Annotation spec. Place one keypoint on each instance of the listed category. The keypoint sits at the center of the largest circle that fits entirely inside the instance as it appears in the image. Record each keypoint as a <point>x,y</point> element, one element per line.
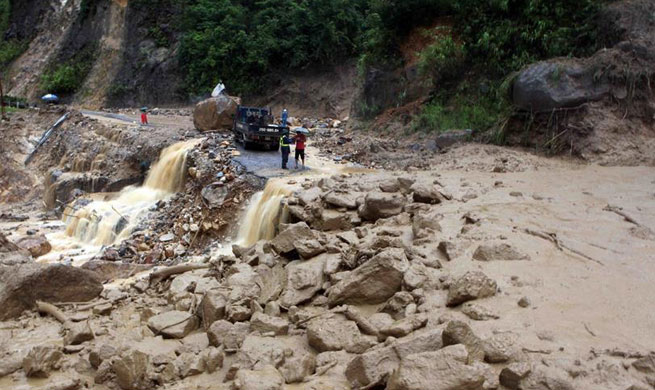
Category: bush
<point>467,108</point>
<point>10,50</point>
<point>243,43</point>
<point>68,77</point>
<point>441,60</point>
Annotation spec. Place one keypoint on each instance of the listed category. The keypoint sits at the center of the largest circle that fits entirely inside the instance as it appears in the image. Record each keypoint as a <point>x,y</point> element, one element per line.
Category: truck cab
<point>254,126</point>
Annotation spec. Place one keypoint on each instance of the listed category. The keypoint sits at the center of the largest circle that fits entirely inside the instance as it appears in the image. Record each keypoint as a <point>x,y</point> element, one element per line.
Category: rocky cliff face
<point>127,48</point>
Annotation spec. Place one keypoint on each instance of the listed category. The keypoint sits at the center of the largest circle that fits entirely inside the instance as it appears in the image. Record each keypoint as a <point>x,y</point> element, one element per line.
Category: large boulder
<point>23,284</point>
<point>215,113</point>
<point>290,355</point>
<point>445,369</point>
<point>42,359</point>
<point>373,282</point>
<point>545,86</point>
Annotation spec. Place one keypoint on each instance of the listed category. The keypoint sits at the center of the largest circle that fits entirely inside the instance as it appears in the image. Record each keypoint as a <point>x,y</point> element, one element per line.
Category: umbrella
<point>144,109</point>
<point>301,130</point>
<point>50,98</point>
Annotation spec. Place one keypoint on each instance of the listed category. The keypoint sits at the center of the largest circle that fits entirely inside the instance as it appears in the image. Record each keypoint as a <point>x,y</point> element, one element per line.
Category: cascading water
<point>104,222</point>
<point>264,213</point>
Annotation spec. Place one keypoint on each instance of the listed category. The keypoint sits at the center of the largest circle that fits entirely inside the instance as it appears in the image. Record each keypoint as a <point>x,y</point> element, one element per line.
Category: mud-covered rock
<point>375,365</point>
<point>645,364</point>
<point>215,113</point>
<point>458,332</point>
<point>304,279</point>
<point>227,334</point>
<point>425,193</point>
<point>37,245</point>
<point>336,333</point>
<point>341,199</point>
<point>499,348</point>
<point>373,282</point>
<point>264,323</point>
<point>101,353</point>
<point>174,324</point>
<point>292,356</point>
<point>512,375</point>
<point>308,248</point>
<point>472,285</point>
<point>498,251</point>
<point>22,285</point>
<point>438,370</point>
<point>405,326</point>
<point>212,308</point>
<point>289,235</point>
<point>381,205</point>
<point>41,360</point>
<point>268,378</point>
<point>78,332</point>
<point>131,370</point>
<point>478,312</point>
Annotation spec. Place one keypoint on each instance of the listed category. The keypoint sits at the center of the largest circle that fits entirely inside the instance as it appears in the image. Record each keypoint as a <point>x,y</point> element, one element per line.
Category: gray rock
<point>499,348</point>
<point>547,85</point>
<point>268,378</point>
<point>37,245</point>
<point>77,333</point>
<point>451,137</point>
<point>445,369</point>
<point>405,326</point>
<point>215,113</point>
<point>213,358</point>
<point>341,199</point>
<point>264,323</point>
<point>458,332</point>
<point>512,375</point>
<point>174,324</point>
<point>291,355</point>
<point>373,282</point>
<point>131,371</point>
<point>498,251</point>
<point>227,334</point>
<point>214,194</point>
<point>334,333</point>
<point>478,312</point>
<point>309,248</point>
<point>212,308</point>
<point>189,364</point>
<point>425,193</point>
<point>304,279</point>
<point>472,285</point>
<point>375,365</point>
<point>289,235</point>
<point>381,205</point>
<point>42,359</point>
<point>22,285</point>
<point>100,354</point>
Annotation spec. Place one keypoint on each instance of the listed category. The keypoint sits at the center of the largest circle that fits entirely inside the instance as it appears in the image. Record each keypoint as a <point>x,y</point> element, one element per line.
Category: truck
<point>253,127</point>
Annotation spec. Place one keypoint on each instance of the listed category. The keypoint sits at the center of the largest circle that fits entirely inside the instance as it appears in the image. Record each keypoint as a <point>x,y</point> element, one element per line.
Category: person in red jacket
<point>144,116</point>
<point>300,140</point>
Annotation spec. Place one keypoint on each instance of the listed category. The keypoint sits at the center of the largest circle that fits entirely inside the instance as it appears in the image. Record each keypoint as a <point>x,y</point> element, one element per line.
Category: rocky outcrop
<point>215,113</point>
<point>22,285</point>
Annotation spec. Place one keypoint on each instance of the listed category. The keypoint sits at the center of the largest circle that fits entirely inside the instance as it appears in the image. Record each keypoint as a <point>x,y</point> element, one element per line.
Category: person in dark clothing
<point>285,148</point>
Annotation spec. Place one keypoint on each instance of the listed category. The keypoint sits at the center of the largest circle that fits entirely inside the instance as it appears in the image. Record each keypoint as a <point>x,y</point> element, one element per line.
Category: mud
<point>526,261</point>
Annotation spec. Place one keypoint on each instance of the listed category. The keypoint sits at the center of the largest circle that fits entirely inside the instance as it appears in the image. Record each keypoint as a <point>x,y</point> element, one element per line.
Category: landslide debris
<point>377,305</point>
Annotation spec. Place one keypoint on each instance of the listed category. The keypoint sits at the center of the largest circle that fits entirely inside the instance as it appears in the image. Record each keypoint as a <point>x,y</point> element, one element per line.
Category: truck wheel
<point>275,146</point>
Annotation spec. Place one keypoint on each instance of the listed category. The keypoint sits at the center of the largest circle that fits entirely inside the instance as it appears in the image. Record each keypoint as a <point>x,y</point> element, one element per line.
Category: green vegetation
<point>244,43</point>
<point>442,59</point>
<point>9,49</point>
<point>67,78</point>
